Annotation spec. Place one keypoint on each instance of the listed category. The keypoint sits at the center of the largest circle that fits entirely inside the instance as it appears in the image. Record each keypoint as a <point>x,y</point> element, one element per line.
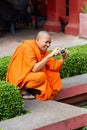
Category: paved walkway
<point>8,43</point>
<point>45,113</point>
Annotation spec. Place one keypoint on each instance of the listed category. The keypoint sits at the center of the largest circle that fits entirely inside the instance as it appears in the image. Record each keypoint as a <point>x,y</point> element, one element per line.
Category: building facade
<point>63,15</point>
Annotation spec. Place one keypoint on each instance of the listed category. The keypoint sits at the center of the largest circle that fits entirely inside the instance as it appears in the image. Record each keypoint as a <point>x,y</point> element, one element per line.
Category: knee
<point>41,77</point>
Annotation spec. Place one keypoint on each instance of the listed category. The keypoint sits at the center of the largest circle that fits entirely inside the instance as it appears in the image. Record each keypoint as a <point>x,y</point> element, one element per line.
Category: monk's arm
<point>56,65</point>
<point>39,65</point>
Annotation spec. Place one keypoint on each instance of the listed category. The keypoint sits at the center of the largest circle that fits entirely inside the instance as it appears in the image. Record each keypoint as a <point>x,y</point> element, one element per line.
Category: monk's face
<point>44,42</point>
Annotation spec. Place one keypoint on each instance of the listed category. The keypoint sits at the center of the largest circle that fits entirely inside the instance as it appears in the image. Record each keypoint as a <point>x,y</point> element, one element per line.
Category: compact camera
<point>62,51</point>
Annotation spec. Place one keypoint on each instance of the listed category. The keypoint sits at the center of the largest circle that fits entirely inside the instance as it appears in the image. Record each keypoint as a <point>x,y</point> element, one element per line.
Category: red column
<point>55,9</point>
<point>74,10</point>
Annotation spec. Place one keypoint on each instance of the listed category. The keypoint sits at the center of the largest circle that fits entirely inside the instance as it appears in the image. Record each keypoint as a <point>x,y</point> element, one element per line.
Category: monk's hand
<point>65,54</point>
<point>55,52</point>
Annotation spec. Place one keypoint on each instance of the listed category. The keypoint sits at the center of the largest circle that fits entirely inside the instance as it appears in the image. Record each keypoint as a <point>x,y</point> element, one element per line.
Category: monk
<point>33,67</point>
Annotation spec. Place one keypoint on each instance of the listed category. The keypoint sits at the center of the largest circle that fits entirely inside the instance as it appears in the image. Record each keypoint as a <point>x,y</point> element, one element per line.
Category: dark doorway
<point>39,11</point>
<point>67,7</point>
<point>64,20</point>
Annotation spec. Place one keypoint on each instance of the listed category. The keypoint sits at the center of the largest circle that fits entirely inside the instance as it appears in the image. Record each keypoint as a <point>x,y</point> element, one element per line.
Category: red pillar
<point>74,10</point>
<point>55,9</point>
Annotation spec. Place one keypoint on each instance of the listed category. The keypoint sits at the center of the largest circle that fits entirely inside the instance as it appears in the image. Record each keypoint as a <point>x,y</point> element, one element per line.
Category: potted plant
<point>83,21</point>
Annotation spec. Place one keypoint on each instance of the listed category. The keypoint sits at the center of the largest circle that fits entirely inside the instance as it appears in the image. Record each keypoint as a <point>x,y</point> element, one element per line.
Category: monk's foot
<point>27,96</point>
<point>33,91</point>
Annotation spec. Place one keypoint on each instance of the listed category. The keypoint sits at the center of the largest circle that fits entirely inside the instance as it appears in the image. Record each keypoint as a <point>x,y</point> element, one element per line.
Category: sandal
<point>33,91</point>
<point>27,96</point>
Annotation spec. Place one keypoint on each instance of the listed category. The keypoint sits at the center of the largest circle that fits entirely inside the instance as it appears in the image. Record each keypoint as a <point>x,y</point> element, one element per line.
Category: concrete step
<point>74,80</point>
<point>74,89</point>
<point>53,115</point>
<point>48,115</point>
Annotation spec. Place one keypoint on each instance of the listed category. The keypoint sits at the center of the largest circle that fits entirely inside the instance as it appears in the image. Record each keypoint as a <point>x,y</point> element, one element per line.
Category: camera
<point>62,51</point>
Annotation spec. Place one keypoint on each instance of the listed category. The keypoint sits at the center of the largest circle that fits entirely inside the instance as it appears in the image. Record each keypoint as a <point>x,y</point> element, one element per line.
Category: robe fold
<point>20,70</point>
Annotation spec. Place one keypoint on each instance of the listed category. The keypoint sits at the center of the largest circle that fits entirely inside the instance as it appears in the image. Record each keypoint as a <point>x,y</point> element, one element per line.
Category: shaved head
<point>43,40</point>
<point>42,34</point>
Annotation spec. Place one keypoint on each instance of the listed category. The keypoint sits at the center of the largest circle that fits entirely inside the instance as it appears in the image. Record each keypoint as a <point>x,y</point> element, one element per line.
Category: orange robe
<point>20,70</point>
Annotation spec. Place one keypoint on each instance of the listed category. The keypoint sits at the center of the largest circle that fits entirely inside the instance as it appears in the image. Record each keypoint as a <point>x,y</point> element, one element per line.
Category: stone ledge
<point>47,113</point>
<point>51,114</point>
<point>74,89</point>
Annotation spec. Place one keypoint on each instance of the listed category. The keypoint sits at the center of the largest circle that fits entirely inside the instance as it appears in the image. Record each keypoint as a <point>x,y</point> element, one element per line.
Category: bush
<point>11,103</point>
<point>76,63</point>
<point>4,61</point>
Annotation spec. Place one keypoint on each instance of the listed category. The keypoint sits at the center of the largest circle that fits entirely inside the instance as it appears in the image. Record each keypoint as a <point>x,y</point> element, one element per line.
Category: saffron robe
<point>20,70</point>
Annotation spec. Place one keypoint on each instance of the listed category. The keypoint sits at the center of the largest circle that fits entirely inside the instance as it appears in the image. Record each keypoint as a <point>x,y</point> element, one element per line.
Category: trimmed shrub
<point>11,103</point>
<point>76,63</point>
<point>4,61</point>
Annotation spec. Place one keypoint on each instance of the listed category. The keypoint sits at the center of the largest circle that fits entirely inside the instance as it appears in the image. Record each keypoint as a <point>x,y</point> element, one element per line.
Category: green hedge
<point>4,61</point>
<point>75,64</point>
<point>11,103</point>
